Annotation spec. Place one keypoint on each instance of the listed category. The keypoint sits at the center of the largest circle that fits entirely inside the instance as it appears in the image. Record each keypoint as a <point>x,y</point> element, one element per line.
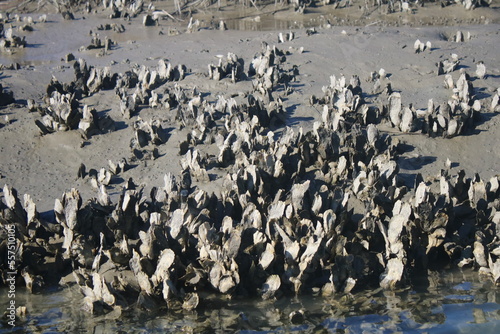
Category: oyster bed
<point>195,161</point>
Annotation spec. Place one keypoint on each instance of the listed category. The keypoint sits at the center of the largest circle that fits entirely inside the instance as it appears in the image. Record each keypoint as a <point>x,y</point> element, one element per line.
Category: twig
<point>253,3</point>
<point>193,4</point>
<point>164,12</point>
<point>15,8</point>
<point>373,23</point>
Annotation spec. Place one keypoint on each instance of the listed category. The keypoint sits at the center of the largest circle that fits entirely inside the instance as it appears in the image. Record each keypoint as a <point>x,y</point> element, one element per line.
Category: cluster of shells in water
<point>319,211</point>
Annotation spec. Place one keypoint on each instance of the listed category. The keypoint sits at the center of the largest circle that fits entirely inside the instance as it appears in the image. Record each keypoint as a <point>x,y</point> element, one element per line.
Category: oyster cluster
<point>298,211</point>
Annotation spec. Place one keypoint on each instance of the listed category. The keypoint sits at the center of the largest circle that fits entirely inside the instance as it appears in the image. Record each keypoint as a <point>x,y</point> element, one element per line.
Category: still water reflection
<point>449,302</point>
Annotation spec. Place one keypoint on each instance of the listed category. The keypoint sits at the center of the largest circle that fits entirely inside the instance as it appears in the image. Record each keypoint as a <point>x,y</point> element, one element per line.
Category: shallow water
<point>448,302</point>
